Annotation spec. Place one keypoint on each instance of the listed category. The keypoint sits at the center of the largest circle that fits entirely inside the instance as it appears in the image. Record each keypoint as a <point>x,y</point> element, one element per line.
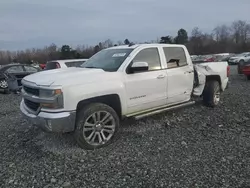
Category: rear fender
<point>204,74</point>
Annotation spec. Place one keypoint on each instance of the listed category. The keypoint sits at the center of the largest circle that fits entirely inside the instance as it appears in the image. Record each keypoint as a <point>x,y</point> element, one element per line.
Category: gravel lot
<point>192,147</point>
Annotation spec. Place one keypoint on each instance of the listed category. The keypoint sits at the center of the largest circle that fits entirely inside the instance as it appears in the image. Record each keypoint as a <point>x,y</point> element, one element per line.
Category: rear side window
<point>175,56</point>
<point>74,63</point>
<point>52,65</point>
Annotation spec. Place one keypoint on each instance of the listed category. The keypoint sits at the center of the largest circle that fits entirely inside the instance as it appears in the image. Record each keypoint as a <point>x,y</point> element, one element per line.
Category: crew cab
<point>116,83</point>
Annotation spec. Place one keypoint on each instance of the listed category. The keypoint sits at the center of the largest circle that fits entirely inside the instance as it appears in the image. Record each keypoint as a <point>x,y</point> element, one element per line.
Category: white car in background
<point>239,58</point>
<point>56,64</point>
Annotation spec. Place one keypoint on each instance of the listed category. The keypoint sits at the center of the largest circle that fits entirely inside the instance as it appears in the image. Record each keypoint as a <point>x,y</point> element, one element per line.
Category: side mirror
<point>139,67</point>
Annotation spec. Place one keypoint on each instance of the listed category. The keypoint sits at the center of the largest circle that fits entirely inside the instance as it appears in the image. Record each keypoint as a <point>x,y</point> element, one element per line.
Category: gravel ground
<point>191,147</point>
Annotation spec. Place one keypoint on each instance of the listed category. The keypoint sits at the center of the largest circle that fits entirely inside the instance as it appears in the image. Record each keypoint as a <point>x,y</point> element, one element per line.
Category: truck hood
<point>68,76</point>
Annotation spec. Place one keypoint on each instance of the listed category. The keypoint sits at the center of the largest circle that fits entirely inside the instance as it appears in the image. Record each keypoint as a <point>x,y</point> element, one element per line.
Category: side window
<point>175,56</point>
<point>151,56</point>
<point>15,69</point>
<point>30,69</point>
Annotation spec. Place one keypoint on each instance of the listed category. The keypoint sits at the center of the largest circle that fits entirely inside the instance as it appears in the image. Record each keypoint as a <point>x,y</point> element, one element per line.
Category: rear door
<point>180,75</point>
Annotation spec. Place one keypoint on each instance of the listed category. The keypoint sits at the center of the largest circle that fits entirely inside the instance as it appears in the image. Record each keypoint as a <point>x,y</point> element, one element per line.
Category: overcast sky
<point>35,23</point>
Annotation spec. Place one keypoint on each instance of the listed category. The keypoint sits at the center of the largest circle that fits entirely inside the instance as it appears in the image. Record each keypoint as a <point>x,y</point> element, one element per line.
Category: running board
<point>157,111</point>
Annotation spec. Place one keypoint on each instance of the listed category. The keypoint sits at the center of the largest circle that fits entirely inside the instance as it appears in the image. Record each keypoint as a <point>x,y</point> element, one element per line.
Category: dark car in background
<point>245,69</point>
<point>16,71</point>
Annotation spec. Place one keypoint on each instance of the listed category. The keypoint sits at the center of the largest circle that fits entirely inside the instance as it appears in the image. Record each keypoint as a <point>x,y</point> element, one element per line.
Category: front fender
<point>74,94</point>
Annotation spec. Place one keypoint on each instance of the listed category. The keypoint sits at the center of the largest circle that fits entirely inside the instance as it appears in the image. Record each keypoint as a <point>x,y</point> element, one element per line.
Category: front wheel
<point>96,126</point>
<point>211,94</point>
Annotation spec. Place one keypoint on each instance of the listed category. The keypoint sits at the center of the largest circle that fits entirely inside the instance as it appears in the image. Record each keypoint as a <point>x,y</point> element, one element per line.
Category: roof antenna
<point>131,44</point>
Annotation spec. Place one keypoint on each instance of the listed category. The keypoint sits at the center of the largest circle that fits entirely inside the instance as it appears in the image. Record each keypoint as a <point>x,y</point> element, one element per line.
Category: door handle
<point>161,76</point>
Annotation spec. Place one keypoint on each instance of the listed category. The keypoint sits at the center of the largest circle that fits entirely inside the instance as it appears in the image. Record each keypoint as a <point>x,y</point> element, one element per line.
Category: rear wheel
<point>248,77</point>
<point>96,126</point>
<point>211,94</point>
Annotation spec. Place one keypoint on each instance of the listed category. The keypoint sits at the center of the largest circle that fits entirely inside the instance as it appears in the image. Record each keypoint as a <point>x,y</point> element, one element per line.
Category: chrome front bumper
<point>51,122</point>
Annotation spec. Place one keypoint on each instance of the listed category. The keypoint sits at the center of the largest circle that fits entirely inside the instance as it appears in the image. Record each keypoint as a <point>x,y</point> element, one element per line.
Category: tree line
<point>233,38</point>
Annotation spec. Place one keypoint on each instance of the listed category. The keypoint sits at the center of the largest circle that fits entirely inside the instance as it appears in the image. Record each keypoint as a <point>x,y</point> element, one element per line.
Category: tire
<point>6,91</point>
<point>96,130</point>
<point>211,94</point>
<point>248,77</point>
<point>241,63</point>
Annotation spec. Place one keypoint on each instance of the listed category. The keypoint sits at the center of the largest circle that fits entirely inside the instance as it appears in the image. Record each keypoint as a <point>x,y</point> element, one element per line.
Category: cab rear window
<point>74,63</point>
<point>52,65</point>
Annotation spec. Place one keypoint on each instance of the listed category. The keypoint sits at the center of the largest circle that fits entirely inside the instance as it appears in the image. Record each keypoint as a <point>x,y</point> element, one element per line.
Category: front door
<point>146,90</point>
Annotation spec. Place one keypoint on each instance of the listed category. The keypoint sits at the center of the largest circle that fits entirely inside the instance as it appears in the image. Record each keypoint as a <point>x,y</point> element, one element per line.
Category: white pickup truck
<point>118,82</point>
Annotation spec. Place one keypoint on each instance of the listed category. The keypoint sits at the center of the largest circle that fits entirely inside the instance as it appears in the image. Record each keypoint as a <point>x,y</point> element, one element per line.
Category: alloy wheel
<point>99,128</point>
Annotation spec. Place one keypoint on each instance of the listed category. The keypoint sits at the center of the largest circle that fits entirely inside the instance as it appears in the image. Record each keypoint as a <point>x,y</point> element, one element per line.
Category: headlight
<point>47,93</point>
<point>55,98</point>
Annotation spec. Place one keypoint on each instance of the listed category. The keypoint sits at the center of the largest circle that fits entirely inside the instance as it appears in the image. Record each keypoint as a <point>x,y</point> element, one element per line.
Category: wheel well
<point>213,78</point>
<point>112,100</point>
<point>196,78</point>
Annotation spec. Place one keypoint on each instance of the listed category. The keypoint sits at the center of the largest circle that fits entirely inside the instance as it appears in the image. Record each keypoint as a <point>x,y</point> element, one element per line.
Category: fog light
<point>48,105</point>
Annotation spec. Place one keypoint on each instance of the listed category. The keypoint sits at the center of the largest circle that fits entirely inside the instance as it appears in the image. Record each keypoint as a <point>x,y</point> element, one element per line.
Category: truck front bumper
<point>59,122</point>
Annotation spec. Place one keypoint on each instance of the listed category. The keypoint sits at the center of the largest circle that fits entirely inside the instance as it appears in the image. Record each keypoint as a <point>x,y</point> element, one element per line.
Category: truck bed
<point>211,68</point>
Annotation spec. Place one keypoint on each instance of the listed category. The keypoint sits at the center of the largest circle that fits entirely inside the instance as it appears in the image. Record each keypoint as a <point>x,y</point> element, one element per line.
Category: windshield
<point>108,59</point>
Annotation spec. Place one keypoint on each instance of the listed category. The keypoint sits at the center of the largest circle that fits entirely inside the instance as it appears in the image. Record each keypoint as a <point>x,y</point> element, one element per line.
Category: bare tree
<point>119,42</point>
<point>240,31</point>
<point>222,33</point>
<point>107,43</point>
<point>233,38</point>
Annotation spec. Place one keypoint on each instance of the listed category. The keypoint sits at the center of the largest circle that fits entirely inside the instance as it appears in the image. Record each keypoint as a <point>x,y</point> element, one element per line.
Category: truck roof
<point>133,46</point>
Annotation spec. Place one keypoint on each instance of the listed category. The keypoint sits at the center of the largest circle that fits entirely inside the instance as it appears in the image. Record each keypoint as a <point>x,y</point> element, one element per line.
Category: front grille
<point>32,105</point>
<point>31,91</point>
